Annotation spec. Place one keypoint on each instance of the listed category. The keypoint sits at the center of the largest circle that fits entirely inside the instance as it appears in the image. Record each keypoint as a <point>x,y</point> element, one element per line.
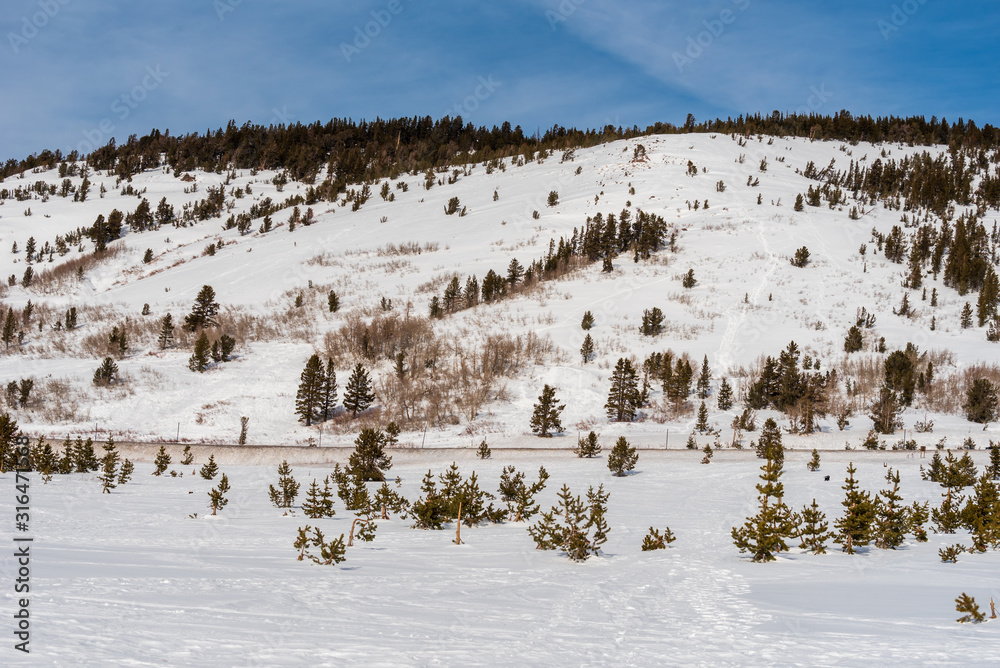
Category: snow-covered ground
<point>128,579</point>
<point>749,300</point>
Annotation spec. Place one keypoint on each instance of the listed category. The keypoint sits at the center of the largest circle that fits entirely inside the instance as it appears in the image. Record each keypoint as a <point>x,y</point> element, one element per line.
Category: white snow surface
<point>749,300</point>
<point>129,579</point>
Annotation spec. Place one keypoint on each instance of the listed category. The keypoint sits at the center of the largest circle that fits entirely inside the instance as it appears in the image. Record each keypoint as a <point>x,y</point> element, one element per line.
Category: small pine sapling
<point>332,552</point>
<point>623,457</point>
<point>692,443</point>
<point>813,532</point>
<point>949,554</point>
<point>654,540</point>
<point>210,469</point>
<point>162,461</point>
<point>588,446</point>
<point>969,609</point>
<point>813,464</point>
<point>707,450</point>
<point>217,495</point>
<point>574,527</point>
<point>588,321</point>
<point>188,458</point>
<point>519,496</point>
<point>126,472</point>
<point>109,467</point>
<point>484,452</point>
<point>284,494</point>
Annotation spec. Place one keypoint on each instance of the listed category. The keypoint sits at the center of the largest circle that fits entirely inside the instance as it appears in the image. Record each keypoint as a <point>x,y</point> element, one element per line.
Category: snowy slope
<point>749,300</point>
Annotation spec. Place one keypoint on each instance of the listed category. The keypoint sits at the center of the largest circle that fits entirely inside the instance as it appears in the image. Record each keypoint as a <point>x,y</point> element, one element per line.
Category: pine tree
<point>162,461</point>
<point>199,359</point>
<point>623,398</point>
<point>689,280</point>
<point>854,341</point>
<point>107,373</point>
<point>166,331</point>
<point>84,458</point>
<point>994,466</point>
<point>891,517</point>
<point>623,457</point>
<point>204,311</point>
<point>545,418</point>
<point>369,460</point>
<point>702,424</point>
<point>284,494</point>
<point>575,527</point>
<point>588,321</point>
<point>217,495</point>
<point>854,527</point>
<point>948,517</point>
<point>966,321</point>
<point>210,469</point>
<point>725,398</point>
<point>310,395</point>
<point>318,503</point>
<point>707,450</point>
<point>358,395</point>
<point>652,322</point>
<point>109,467</point>
<point>704,380</point>
<point>587,349</point>
<point>333,302</point>
<point>764,534</point>
<point>588,446</point>
<point>9,329</point>
<point>981,403</point>
<point>329,391</point>
<point>770,446</point>
<point>981,514</point>
<point>484,452</point>
<point>654,540</point>
<point>813,464</point>
<point>814,532</point>
<point>126,472</point>
<point>188,458</point>
<point>967,605</point>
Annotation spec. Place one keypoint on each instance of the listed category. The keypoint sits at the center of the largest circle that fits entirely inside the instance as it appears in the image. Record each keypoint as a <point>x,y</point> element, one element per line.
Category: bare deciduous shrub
<point>63,274</point>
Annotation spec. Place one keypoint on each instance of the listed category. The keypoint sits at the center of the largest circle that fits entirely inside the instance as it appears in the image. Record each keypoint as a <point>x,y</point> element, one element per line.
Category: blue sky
<point>76,72</point>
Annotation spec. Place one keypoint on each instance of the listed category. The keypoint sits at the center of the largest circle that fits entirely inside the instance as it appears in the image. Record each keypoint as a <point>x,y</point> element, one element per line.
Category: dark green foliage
<point>572,526</point>
<point>798,203</point>
<point>623,457</point>
<point>624,397</point>
<point>891,517</point>
<point>351,489</point>
<point>204,311</point>
<point>949,554</point>
<point>588,446</point>
<point>701,426</point>
<point>318,549</point>
<point>199,359</point>
<point>981,515</point>
<point>854,341</point>
<point>109,467</point>
<point>993,469</point>
<point>981,402</point>
<point>689,280</point>
<point>854,528</point>
<point>652,322</point>
<point>518,495</point>
<point>162,461</point>
<point>369,460</point>
<point>587,349</point>
<point>588,320</point>
<point>969,609</point>
<point>284,494</point>
<point>770,446</point>
<point>801,258</point>
<point>125,474</point>
<point>725,397</point>
<point>217,495</point>
<point>813,464</point>
<point>309,396</point>
<point>210,468</point>
<point>545,418</point>
<point>966,319</point>
<point>188,458</point>
<point>885,410</point>
<point>764,534</point>
<point>704,383</point>
<point>166,331</point>
<point>484,451</point>
<point>654,540</point>
<point>391,502</point>
<point>814,530</point>
<point>333,302</point>
<point>358,394</point>
<point>84,458</point>
<point>443,504</point>
<point>107,373</point>
<point>148,256</point>
<point>319,502</point>
<point>948,518</point>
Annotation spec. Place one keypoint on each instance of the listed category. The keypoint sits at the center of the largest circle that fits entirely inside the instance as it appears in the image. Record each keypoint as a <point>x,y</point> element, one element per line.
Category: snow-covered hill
<point>749,300</point>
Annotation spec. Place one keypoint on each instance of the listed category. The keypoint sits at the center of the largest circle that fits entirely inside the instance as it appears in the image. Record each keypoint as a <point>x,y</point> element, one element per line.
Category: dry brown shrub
<point>64,274</point>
